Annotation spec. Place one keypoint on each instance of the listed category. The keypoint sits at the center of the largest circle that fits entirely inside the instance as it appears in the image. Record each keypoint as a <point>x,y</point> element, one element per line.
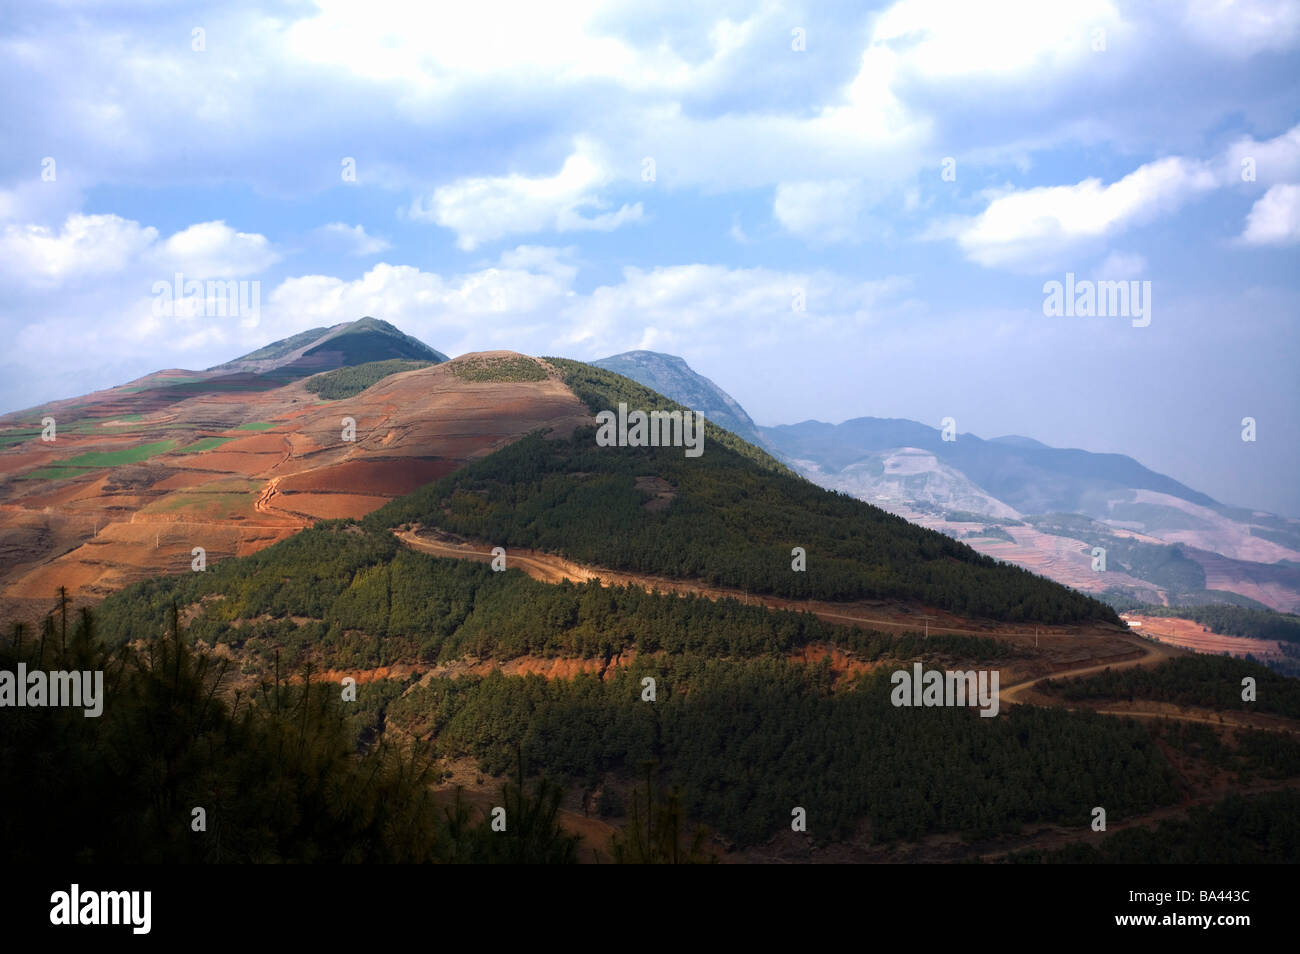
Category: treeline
<point>176,770</point>
<point>1240,830</point>
<point>730,524</point>
<point>748,741</point>
<point>1236,620</point>
<point>350,381</point>
<point>345,597</point>
<point>1129,601</point>
<point>1213,682</point>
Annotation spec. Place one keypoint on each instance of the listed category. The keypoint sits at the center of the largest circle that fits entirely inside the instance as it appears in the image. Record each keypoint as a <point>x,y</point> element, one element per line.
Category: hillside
<point>237,462</point>
<point>439,646</point>
<point>731,516</point>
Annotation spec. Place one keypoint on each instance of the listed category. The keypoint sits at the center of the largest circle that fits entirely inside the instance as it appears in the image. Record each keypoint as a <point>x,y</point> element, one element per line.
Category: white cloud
<point>482,209</point>
<point>698,309</point>
<point>35,256</point>
<point>354,239</point>
<point>527,303</point>
<point>428,51</point>
<point>406,296</point>
<point>1275,218</point>
<point>1273,160</point>
<point>87,245</point>
<point>819,211</point>
<point>955,39</point>
<point>1034,228</point>
<point>214,250</point>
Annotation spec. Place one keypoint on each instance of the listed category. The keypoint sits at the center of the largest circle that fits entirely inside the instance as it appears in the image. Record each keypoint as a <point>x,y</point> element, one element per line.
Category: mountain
<point>1165,541</point>
<point>1025,474</point>
<point>672,377</point>
<point>137,476</point>
<point>729,517</point>
<point>323,349</point>
<point>240,460</point>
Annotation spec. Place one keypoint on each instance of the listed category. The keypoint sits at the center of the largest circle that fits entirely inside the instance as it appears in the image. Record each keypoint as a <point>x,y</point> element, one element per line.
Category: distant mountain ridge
<point>672,377</point>
<point>1028,475</point>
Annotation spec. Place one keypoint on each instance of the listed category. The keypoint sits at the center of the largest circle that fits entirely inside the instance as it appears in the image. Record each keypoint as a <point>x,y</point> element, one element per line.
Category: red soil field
<point>326,506</point>
<point>252,490</point>
<point>378,477</point>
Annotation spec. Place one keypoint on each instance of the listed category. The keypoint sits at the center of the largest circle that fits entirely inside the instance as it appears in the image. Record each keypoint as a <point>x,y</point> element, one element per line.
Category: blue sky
<point>503,198</point>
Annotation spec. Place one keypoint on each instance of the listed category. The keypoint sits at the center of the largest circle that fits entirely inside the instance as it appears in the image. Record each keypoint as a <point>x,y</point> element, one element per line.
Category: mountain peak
<point>323,349</point>
<point>672,377</point>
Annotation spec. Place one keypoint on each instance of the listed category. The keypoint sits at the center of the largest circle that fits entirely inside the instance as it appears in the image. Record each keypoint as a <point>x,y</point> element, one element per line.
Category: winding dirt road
<point>549,568</point>
<point>1129,650</point>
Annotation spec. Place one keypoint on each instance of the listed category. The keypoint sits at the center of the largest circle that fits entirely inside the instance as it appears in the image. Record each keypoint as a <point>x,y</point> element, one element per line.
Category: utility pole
<point>927,624</point>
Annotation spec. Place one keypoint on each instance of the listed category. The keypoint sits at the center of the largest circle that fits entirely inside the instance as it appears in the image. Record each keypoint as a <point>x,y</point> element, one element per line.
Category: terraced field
<point>139,475</point>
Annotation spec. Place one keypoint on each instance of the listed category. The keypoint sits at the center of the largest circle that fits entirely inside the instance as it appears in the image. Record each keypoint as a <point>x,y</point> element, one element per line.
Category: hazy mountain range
<point>1016,498</point>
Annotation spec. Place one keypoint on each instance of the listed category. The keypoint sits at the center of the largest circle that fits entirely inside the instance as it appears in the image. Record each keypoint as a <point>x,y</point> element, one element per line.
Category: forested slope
<point>732,517</point>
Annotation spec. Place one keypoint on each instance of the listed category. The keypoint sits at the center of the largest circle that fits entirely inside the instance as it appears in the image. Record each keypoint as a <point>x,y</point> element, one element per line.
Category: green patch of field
<point>93,460</point>
<point>203,444</point>
<point>256,426</point>
<point>17,437</point>
<point>128,455</point>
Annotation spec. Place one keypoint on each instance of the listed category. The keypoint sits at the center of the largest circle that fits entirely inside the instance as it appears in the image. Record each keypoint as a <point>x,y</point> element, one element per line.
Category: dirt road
<point>1126,650</point>
<point>549,568</point>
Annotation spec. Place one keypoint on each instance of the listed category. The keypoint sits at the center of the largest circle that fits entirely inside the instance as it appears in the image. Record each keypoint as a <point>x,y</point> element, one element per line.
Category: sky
<point>833,210</point>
